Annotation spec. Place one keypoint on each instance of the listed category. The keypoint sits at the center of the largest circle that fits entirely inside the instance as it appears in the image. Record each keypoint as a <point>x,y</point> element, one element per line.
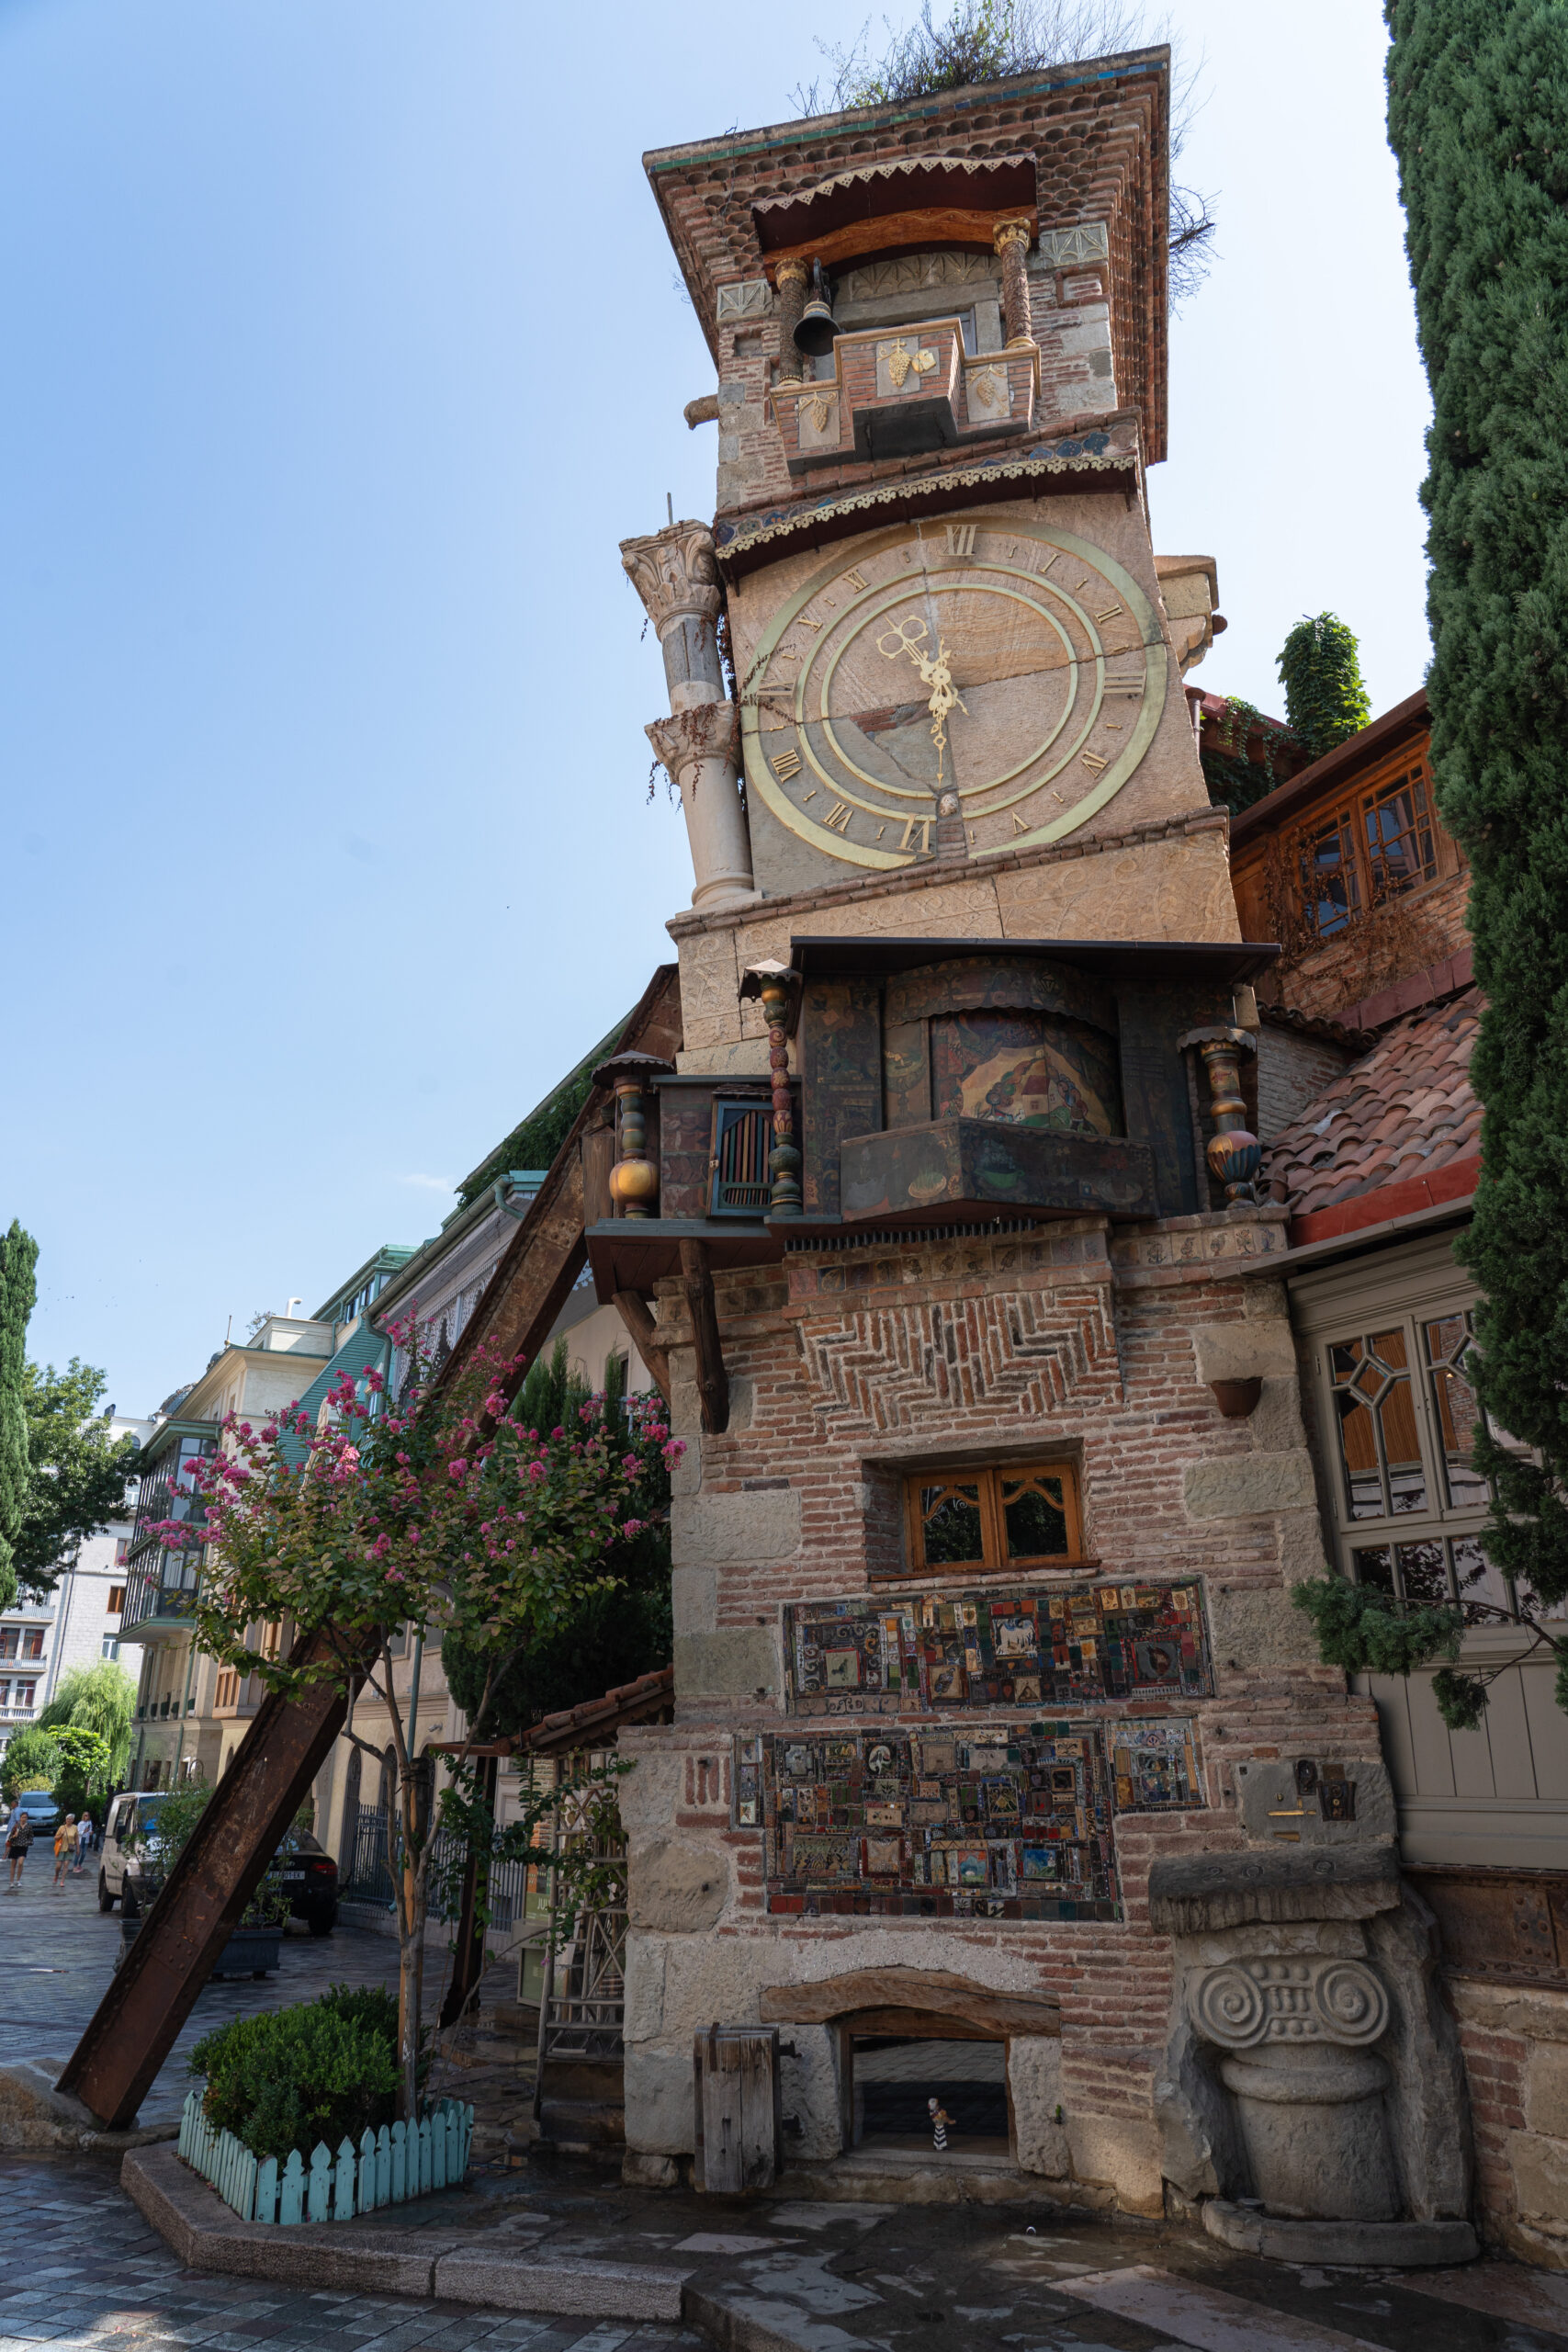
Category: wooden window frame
<point>989,1477</point>
<point>1349,811</point>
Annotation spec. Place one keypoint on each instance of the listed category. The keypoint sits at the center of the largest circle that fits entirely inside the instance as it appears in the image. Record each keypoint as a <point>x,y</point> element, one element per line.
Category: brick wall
<point>1293,1071</point>
<point>847,1367</point>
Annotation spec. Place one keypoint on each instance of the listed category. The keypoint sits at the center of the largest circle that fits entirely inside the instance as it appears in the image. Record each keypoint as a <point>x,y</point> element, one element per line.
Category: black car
<point>309,1875</point>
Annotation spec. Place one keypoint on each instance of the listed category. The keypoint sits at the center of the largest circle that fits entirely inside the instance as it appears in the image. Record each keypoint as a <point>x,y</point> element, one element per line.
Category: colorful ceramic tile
<point>920,1653</point>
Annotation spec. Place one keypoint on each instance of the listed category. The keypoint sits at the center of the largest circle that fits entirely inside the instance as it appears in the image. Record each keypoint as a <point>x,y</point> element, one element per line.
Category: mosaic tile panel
<point>994,1821</point>
<point>1070,1646</point>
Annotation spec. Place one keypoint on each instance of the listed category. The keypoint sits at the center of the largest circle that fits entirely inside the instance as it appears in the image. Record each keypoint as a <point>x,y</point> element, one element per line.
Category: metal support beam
<point>136,2022</point>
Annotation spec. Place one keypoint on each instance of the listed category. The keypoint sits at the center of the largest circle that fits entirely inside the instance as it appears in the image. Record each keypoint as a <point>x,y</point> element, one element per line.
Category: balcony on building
<point>940,1083</point>
<point>162,1579</point>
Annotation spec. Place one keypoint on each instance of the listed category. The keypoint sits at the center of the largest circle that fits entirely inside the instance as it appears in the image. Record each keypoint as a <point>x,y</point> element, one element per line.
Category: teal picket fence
<point>387,2169</point>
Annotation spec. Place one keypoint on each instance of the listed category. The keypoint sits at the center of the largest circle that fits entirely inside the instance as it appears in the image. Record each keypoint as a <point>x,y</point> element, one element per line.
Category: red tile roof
<point>1402,1111</point>
<point>596,1720</point>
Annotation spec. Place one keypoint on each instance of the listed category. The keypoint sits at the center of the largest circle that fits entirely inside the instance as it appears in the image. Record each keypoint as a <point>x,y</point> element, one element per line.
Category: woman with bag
<point>64,1849</point>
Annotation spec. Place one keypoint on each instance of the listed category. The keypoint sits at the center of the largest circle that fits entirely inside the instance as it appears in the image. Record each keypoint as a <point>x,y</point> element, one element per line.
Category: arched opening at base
<point>893,2079</point>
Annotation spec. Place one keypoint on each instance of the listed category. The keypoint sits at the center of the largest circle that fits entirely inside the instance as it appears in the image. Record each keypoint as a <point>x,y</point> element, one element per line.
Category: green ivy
<point>1320,669</point>
<point>1234,782</point>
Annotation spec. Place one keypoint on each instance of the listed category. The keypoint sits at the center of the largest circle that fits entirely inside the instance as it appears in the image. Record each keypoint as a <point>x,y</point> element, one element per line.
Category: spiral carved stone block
<point>1228,2006</point>
<point>1245,2002</point>
<point>1351,2002</point>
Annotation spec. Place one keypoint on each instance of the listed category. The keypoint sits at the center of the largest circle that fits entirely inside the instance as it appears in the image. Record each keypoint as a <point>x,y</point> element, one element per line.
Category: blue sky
<point>342,350</point>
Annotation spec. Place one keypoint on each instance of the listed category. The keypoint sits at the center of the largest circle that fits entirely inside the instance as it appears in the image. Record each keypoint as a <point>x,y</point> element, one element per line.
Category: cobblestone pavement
<point>57,1954</point>
<point>82,2268</point>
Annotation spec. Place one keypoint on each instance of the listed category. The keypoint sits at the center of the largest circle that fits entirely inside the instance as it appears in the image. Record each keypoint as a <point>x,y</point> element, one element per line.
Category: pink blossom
<point>458,1469</point>
<point>269,1435</point>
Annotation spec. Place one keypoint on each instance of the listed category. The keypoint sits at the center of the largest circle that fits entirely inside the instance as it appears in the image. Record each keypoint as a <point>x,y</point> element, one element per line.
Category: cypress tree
<point>1478,120</point>
<point>18,1290</point>
<point>1320,669</point>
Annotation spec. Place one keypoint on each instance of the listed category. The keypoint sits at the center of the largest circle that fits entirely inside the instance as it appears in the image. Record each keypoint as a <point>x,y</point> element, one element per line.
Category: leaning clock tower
<point>934,1207</point>
<point>940,352</point>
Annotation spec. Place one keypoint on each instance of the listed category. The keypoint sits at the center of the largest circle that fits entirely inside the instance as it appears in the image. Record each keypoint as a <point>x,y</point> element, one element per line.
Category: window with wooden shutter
<point>742,1138</point>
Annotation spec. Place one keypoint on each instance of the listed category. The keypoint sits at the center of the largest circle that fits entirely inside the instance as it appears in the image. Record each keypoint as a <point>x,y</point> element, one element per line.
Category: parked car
<point>307,1873</point>
<point>41,1811</point>
<point>310,1875</point>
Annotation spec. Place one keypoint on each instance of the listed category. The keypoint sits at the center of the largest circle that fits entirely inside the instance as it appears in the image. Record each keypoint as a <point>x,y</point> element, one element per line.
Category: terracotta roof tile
<point>1404,1109</point>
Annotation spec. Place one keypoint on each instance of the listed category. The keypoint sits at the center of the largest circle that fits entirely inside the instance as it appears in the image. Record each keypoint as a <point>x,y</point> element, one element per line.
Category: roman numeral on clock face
<point>1109,613</point>
<point>854,580</point>
<point>838,816</point>
<point>785,765</point>
<point>960,539</point>
<point>1094,763</point>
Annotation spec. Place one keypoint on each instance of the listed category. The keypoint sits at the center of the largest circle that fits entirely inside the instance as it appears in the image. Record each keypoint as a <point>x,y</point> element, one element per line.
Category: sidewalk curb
<point>193,2220</point>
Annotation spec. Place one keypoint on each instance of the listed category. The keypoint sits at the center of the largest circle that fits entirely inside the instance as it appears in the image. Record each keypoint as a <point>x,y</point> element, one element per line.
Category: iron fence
<point>369,1879</point>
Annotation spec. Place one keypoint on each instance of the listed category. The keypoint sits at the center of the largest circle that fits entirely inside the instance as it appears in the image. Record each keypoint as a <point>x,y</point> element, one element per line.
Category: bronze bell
<point>817,333</point>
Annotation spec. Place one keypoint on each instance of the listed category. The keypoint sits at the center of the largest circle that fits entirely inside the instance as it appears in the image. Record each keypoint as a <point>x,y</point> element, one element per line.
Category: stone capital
<point>1295,1999</point>
<point>1011,232</point>
<point>674,574</point>
<point>709,732</point>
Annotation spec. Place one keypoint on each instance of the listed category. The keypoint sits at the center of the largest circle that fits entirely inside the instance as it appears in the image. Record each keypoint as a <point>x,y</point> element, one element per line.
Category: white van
<point>129,1815</point>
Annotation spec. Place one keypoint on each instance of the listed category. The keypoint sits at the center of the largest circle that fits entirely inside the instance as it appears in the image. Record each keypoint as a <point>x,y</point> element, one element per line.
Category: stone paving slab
<point>797,2273</point>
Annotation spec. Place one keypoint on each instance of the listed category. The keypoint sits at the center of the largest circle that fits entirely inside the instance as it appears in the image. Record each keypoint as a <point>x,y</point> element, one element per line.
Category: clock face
<point>1010,664</point>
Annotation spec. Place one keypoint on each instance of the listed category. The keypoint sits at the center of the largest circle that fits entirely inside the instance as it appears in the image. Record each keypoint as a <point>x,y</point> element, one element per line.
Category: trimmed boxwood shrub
<point>318,2071</point>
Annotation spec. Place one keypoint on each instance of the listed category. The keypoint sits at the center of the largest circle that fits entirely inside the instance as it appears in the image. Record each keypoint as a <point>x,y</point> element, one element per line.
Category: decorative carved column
<point>793,277</point>
<point>701,751</point>
<point>1311,2092</point>
<point>634,1179</point>
<point>1296,2034</point>
<point>778,986</point>
<point>1235,1154</point>
<point>674,573</point>
<point>1012,240</point>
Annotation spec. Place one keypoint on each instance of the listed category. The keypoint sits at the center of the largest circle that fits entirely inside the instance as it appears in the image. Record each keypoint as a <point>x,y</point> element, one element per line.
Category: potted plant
<point>255,1943</point>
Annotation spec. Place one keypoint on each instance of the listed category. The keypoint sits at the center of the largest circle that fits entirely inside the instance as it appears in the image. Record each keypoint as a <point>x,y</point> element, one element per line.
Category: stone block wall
<point>1516,2054</point>
<point>848,1367</point>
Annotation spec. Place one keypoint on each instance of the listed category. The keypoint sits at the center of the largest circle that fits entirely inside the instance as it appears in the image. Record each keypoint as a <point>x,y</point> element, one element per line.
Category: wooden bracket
<point>643,1332</point>
<point>713,1381</point>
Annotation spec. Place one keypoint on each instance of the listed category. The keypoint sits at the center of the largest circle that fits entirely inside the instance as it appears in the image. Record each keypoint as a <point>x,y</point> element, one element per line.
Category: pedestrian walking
<point>65,1850</point>
<point>19,1838</point>
<point>84,1845</point>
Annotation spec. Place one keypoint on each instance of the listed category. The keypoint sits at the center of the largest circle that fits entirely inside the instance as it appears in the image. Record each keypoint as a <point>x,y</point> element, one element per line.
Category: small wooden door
<point>737,2118</point>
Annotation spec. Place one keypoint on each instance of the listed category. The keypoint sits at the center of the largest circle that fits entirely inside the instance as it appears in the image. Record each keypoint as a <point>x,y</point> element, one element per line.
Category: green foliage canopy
<point>19,1292</point>
<point>1320,668</point>
<point>78,1474</point>
<point>612,1635</point>
<point>99,1697</point>
<point>31,1761</point>
<point>1478,98</point>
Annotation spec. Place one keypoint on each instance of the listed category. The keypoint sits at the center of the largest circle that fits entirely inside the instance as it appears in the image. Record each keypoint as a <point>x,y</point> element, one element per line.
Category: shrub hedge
<point>318,2071</point>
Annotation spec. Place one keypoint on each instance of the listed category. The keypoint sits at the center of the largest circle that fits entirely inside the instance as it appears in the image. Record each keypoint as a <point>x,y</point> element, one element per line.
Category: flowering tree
<point>437,1512</point>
